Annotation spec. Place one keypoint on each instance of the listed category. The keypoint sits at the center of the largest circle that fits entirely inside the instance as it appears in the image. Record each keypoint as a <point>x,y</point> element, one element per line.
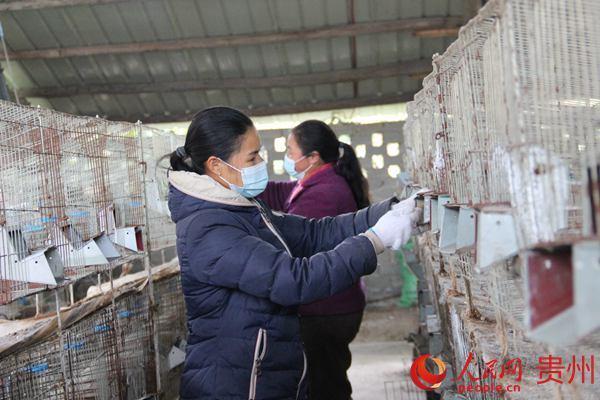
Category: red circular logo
<point>425,379</point>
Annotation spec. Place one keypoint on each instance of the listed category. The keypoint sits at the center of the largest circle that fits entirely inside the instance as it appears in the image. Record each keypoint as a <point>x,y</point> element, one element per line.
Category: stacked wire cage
<point>30,207</point>
<point>156,144</point>
<point>172,331</point>
<point>60,176</point>
<point>510,117</point>
<point>513,103</point>
<point>105,355</point>
<point>67,184</point>
<point>91,357</point>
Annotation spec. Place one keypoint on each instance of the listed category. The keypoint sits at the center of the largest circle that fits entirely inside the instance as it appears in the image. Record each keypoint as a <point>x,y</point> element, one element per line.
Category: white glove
<point>409,206</point>
<point>415,215</point>
<point>394,229</point>
<point>406,206</point>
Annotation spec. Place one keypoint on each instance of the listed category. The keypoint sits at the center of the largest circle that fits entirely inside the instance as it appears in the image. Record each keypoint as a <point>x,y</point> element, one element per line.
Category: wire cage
<point>517,99</point>
<point>135,345</point>
<point>478,358</point>
<point>554,104</point>
<point>72,196</point>
<point>91,357</point>
<point>105,355</point>
<point>461,95</point>
<point>403,389</point>
<point>172,331</point>
<point>122,153</point>
<point>508,297</point>
<point>79,188</point>
<point>34,373</point>
<point>422,143</point>
<point>477,288</point>
<point>510,116</point>
<point>156,145</point>
<point>33,207</point>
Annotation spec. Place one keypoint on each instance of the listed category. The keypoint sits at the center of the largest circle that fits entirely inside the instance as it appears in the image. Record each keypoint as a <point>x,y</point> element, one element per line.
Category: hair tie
<point>181,152</point>
<point>341,151</point>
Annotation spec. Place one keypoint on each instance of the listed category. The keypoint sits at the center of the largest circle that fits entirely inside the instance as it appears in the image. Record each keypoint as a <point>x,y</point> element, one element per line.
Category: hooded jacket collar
<point>206,188</point>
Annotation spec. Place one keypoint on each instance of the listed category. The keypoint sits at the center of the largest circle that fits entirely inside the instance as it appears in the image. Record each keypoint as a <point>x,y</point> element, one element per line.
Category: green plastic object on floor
<point>408,298</point>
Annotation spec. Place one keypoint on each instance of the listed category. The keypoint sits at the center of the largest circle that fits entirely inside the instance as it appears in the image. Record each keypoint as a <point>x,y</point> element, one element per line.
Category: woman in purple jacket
<point>330,182</point>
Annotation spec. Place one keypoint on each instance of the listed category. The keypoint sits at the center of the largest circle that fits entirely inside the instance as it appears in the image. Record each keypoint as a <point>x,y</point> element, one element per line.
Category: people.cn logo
<point>425,379</point>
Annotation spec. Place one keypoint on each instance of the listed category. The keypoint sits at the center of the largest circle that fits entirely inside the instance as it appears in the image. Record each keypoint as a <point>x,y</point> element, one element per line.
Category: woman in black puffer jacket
<point>246,269</point>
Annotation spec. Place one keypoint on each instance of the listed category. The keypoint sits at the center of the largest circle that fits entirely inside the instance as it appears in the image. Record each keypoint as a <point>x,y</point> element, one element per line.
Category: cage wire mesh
<point>26,217</point>
<point>35,373</point>
<point>428,159</point>
<point>403,389</point>
<point>511,115</point>
<point>156,145</point>
<point>122,153</point>
<point>106,355</point>
<point>518,96</point>
<point>556,66</point>
<point>134,344</point>
<point>92,357</point>
<point>172,330</point>
<point>65,182</point>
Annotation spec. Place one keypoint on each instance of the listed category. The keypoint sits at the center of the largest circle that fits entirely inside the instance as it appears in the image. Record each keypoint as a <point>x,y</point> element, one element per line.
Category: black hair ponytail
<point>349,167</point>
<point>314,135</point>
<point>214,131</point>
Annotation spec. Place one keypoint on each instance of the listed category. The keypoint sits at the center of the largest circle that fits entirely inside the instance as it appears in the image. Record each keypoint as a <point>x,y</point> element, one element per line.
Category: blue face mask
<point>254,179</point>
<point>290,167</point>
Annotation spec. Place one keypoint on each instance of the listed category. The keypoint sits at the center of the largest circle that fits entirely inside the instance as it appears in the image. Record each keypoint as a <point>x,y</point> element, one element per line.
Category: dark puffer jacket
<point>244,271</point>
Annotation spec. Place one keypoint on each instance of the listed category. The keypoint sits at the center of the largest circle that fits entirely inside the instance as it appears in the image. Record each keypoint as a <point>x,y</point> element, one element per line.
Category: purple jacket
<point>323,194</point>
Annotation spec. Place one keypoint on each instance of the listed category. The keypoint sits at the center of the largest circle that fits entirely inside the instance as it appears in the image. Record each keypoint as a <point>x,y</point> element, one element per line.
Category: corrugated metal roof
<point>155,20</point>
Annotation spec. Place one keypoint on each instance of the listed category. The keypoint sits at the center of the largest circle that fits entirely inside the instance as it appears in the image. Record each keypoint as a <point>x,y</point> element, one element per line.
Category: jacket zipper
<point>302,377</point>
<point>272,228</point>
<point>259,354</point>
<point>275,232</point>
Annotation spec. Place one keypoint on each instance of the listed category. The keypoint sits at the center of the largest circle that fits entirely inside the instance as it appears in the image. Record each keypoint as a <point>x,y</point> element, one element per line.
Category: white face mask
<point>254,179</point>
<point>290,167</point>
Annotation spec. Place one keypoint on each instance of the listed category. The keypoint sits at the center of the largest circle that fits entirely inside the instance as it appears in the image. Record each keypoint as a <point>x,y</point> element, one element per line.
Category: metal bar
<point>347,75</point>
<point>146,234</point>
<point>287,109</point>
<point>364,28</point>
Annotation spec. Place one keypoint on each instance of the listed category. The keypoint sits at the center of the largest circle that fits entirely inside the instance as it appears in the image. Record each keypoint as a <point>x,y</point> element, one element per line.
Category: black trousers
<point>326,340</point>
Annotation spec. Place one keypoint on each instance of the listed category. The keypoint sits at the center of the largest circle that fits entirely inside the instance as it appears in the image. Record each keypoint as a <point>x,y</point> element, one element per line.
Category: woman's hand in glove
<point>394,228</point>
<point>406,206</point>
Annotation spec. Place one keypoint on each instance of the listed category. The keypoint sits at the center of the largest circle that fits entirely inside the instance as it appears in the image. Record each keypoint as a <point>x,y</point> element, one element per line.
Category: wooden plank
<point>278,110</point>
<point>418,67</point>
<point>409,24</point>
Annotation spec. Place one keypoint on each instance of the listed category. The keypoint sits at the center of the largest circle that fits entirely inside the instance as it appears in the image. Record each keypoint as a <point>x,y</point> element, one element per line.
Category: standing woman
<point>330,182</point>
<point>245,269</point>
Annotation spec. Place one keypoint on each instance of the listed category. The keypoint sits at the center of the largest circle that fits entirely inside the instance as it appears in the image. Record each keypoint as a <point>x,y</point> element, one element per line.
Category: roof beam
<point>437,33</point>
<point>18,5</point>
<point>417,67</point>
<point>286,109</point>
<point>353,56</point>
<point>414,25</point>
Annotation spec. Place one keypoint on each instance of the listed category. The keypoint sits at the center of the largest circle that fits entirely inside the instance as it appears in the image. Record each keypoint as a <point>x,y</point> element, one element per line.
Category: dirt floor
<point>380,371</point>
<point>381,356</point>
<point>385,321</point>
